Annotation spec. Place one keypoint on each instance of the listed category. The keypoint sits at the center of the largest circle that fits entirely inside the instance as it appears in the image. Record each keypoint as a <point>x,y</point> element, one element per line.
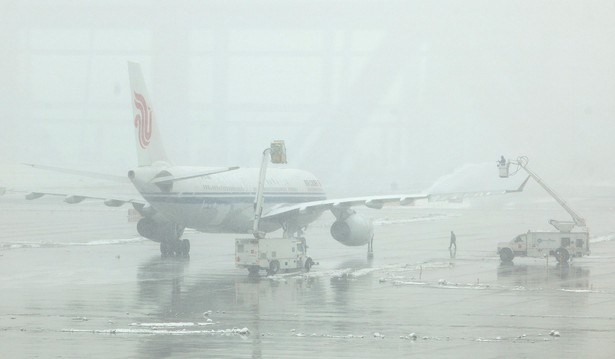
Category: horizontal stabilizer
<point>158,180</point>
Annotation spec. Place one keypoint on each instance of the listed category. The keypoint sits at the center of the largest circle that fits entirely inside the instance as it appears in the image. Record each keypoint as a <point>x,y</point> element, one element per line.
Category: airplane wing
<point>120,179</point>
<point>111,201</point>
<point>170,179</point>
<point>377,202</point>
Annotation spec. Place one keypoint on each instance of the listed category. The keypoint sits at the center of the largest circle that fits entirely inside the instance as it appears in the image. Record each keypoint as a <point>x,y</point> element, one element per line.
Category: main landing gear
<point>175,248</point>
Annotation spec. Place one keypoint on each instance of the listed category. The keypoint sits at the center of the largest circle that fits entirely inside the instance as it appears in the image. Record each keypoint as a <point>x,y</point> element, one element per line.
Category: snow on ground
<point>605,238</point>
<point>159,331</point>
<point>43,244</point>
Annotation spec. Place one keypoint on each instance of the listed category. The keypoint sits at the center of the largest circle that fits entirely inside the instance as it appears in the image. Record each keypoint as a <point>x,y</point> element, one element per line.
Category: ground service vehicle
<point>272,255</point>
<point>563,244</point>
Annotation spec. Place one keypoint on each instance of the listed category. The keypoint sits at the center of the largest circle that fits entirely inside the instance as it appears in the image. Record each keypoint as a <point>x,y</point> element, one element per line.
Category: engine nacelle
<point>158,229</point>
<point>353,231</point>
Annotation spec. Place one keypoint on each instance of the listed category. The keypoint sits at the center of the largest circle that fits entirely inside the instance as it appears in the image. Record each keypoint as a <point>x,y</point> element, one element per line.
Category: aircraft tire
<point>308,264</point>
<point>562,255</point>
<point>253,270</point>
<point>165,249</point>
<point>506,255</point>
<point>274,267</point>
<point>185,248</point>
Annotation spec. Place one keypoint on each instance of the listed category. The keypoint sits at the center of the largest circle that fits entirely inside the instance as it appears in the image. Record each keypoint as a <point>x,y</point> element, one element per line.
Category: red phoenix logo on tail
<point>143,120</point>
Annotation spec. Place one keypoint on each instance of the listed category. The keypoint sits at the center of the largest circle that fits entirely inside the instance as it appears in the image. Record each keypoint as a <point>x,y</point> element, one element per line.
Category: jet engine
<point>354,230</point>
<point>157,228</point>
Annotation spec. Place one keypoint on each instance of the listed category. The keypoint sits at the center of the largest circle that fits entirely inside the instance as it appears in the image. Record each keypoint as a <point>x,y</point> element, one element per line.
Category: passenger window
<point>273,255</point>
<point>240,248</point>
<point>565,242</point>
<point>579,243</point>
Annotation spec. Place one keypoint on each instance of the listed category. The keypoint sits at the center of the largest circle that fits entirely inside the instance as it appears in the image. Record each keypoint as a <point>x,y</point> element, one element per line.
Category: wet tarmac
<point>78,282</point>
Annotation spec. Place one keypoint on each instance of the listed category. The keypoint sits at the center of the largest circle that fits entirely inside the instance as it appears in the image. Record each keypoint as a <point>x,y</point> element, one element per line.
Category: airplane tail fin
<point>149,144</point>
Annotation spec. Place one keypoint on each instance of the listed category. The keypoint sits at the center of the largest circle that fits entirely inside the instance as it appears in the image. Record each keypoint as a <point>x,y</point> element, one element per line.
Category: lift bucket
<point>503,168</point>
<point>278,152</point>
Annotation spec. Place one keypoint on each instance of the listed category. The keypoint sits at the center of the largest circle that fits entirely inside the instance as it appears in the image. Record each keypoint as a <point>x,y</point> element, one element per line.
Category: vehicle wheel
<point>562,255</point>
<point>185,248</point>
<point>506,255</point>
<point>274,267</point>
<point>308,264</point>
<point>253,270</point>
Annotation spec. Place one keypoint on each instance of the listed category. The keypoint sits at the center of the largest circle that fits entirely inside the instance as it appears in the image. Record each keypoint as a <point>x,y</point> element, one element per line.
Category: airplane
<point>222,200</point>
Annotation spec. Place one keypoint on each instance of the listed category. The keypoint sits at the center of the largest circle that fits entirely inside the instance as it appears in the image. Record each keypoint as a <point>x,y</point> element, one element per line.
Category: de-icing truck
<point>563,244</point>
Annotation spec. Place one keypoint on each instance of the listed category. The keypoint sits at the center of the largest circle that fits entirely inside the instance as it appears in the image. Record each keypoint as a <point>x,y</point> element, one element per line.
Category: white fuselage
<point>224,202</point>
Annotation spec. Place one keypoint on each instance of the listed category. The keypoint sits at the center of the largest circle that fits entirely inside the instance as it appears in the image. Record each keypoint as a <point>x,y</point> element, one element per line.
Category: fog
<point>370,96</point>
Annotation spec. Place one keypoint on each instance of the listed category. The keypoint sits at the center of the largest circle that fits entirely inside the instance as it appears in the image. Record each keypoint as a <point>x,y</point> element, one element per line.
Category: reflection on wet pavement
<point>104,297</point>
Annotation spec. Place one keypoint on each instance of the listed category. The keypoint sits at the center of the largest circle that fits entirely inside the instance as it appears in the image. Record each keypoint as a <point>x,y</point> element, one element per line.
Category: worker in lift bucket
<point>502,161</point>
<point>453,241</point>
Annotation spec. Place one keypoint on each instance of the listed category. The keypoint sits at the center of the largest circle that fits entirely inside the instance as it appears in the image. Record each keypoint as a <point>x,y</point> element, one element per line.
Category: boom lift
<point>563,244</point>
<point>270,254</point>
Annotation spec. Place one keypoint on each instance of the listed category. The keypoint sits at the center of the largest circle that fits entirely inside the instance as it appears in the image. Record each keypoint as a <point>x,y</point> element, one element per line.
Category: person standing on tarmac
<point>453,241</point>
